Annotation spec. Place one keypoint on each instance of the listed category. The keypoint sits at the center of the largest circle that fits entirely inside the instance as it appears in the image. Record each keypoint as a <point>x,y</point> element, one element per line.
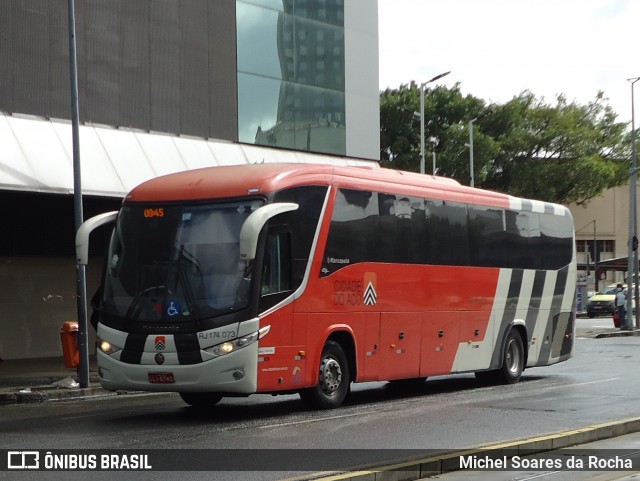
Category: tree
<point>445,111</point>
<point>398,130</point>
<point>559,153</point>
<point>562,153</point>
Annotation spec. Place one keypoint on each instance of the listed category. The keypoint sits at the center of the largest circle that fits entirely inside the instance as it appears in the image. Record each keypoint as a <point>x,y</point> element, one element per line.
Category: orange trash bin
<point>68,336</point>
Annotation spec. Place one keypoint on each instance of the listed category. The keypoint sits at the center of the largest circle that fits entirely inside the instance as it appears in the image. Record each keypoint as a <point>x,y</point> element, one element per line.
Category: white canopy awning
<point>36,156</point>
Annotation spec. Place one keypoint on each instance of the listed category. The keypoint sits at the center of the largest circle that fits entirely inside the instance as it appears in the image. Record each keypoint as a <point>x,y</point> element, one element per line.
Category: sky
<point>496,49</point>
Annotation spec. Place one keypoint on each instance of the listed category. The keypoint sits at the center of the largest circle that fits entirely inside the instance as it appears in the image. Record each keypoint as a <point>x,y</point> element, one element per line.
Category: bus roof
<point>242,180</point>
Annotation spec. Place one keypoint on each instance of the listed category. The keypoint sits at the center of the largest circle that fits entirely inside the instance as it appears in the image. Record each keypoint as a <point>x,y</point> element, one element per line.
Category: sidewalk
<point>46,379</point>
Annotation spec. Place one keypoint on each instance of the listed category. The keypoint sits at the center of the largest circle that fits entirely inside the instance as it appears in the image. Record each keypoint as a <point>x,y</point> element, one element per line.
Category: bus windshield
<point>172,263</point>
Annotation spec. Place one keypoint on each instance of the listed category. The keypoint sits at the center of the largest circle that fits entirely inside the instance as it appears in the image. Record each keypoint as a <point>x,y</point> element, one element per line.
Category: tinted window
<point>302,223</point>
<point>276,268</point>
<point>447,231</point>
<point>381,227</point>
<point>354,230</point>
<point>556,234</point>
<point>403,230</point>
<point>486,236</point>
<point>517,252</point>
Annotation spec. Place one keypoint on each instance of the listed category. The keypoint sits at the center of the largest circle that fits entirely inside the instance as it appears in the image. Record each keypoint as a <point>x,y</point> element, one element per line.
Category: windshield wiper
<point>184,279</point>
<point>136,305</point>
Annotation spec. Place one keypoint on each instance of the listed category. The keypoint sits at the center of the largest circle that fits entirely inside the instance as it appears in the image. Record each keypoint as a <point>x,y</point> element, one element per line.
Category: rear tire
<point>201,400</point>
<point>334,379</point>
<point>512,362</point>
<point>513,358</point>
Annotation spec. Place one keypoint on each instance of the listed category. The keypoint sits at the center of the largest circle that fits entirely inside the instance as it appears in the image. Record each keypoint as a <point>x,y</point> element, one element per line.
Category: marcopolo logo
<point>23,460</point>
<point>161,343</point>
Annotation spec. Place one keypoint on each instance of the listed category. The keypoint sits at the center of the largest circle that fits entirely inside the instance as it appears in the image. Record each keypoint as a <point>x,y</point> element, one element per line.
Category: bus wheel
<point>512,363</point>
<point>513,360</point>
<point>333,379</point>
<point>201,399</point>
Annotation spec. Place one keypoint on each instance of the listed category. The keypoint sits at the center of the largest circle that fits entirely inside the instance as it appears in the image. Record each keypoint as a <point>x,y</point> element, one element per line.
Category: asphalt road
<point>599,384</point>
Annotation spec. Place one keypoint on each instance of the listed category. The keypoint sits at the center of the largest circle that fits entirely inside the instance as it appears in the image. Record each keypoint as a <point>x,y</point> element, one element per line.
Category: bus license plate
<point>161,378</point>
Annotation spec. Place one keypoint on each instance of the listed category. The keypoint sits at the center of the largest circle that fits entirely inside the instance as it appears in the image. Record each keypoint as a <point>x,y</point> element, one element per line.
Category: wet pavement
<point>46,379</point>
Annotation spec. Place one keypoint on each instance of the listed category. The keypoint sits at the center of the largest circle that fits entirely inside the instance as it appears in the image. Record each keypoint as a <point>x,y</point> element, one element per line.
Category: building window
<point>604,247</point>
<point>291,52</point>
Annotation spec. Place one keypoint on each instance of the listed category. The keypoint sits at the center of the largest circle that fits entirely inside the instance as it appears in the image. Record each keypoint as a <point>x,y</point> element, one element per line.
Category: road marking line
<point>595,382</point>
<point>550,388</point>
<point>306,421</point>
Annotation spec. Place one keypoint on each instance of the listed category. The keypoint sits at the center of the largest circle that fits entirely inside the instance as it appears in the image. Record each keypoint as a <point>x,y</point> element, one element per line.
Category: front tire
<point>334,378</point>
<point>201,400</point>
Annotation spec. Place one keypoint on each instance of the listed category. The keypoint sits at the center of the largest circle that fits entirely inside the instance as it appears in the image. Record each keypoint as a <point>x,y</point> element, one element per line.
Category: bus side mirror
<point>254,224</point>
<point>87,227</point>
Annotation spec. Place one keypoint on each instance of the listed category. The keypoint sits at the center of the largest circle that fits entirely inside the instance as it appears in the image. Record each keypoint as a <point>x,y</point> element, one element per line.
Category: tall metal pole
<point>422,85</point>
<point>81,279</point>
<point>632,214</point>
<point>595,257</point>
<point>434,158</point>
<point>631,268</point>
<point>434,144</point>
<point>470,145</point>
<point>589,253</point>
<point>422,127</point>
<point>633,218</point>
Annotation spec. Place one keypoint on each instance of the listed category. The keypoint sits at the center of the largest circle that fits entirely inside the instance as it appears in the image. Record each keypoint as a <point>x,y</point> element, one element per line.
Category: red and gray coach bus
<point>280,278</point>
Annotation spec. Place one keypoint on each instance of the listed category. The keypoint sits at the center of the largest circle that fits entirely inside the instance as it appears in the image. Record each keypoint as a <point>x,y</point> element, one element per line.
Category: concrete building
<point>604,223</point>
<point>164,85</point>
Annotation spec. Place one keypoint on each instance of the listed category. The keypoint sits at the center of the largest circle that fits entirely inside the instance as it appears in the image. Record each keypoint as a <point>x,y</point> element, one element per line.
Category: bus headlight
<point>231,346</point>
<point>107,347</point>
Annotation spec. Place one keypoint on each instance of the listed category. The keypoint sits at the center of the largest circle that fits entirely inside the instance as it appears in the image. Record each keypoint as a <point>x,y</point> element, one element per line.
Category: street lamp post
<point>470,145</point>
<point>422,85</point>
<point>434,143</point>
<point>632,262</point>
<point>82,336</point>
<point>595,254</point>
<point>595,258</point>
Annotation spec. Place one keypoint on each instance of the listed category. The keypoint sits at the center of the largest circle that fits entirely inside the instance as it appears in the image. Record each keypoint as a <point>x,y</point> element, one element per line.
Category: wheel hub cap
<point>513,361</point>
<point>330,375</point>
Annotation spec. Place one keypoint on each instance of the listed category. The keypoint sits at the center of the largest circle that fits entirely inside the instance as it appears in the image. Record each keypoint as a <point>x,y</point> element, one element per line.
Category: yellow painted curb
<point>447,462</point>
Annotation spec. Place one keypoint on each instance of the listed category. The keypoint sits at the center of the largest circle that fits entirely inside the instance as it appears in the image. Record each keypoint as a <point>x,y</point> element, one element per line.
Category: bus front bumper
<point>234,373</point>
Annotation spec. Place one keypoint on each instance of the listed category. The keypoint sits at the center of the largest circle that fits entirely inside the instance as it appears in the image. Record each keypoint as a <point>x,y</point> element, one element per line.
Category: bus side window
<point>276,269</point>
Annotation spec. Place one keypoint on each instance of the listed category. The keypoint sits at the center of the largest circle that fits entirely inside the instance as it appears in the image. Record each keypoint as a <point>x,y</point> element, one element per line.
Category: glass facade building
<point>164,85</point>
<point>291,74</point>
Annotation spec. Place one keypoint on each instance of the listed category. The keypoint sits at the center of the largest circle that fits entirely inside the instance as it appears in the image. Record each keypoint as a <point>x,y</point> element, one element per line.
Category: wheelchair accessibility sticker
<point>174,308</point>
